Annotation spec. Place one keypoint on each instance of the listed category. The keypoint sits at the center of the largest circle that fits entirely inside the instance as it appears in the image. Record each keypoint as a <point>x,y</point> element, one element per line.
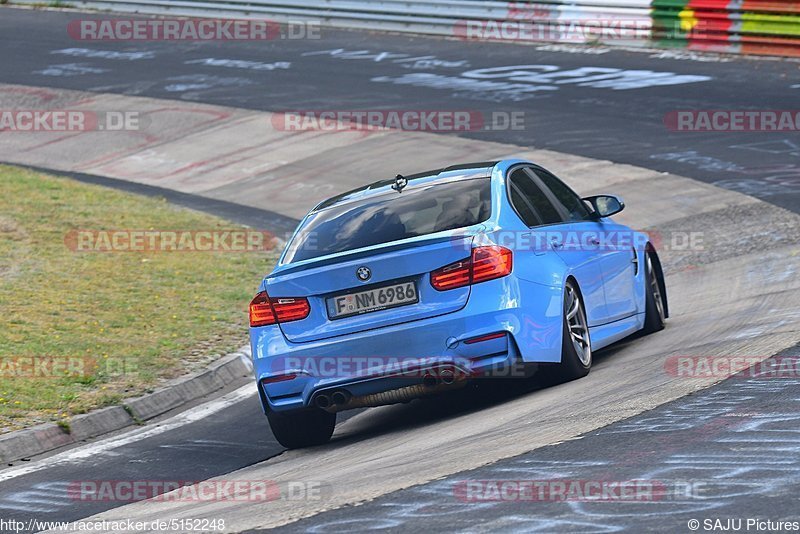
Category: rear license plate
<point>379,298</point>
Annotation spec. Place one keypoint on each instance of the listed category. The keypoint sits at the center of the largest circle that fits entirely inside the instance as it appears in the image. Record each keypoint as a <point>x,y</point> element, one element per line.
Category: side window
<point>518,200</point>
<point>530,202</point>
<point>566,197</point>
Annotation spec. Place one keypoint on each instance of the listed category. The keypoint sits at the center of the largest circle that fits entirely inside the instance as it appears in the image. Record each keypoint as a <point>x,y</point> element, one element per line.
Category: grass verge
<point>82,330</point>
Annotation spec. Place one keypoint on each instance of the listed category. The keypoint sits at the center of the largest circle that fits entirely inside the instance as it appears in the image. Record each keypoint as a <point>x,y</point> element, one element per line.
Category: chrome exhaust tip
<point>323,401</point>
<point>340,397</point>
<point>429,380</point>
<point>447,376</point>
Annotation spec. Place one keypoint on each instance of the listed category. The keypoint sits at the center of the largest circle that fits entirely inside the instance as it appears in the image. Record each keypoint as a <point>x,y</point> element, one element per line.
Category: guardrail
<point>735,26</point>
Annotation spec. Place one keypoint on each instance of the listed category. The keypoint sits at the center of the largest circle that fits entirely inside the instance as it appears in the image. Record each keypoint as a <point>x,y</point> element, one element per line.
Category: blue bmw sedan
<point>413,286</point>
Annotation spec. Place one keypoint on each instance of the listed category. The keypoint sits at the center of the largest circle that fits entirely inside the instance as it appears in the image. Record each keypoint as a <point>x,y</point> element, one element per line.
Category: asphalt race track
<point>731,447</point>
<point>198,450</point>
<point>703,441</point>
<point>359,70</point>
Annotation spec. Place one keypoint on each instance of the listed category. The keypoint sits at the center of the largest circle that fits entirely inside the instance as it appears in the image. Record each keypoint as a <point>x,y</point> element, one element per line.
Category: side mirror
<point>606,205</point>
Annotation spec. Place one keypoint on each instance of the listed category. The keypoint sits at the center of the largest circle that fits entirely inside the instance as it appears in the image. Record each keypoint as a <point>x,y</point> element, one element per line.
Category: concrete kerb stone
<point>49,436</point>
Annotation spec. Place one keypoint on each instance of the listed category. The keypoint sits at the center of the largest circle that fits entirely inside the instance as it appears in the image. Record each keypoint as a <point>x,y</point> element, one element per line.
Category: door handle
<point>556,244</point>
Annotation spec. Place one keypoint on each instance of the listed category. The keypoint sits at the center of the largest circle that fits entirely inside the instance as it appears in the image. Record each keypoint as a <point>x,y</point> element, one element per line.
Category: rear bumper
<point>398,356</point>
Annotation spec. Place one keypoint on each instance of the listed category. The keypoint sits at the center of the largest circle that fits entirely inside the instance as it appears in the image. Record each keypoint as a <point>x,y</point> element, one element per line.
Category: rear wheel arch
<point>659,271</point>
<point>570,367</point>
<point>574,281</point>
<point>571,279</point>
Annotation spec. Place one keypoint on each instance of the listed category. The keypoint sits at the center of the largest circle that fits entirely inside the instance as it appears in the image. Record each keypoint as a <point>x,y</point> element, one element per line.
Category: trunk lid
<point>409,260</point>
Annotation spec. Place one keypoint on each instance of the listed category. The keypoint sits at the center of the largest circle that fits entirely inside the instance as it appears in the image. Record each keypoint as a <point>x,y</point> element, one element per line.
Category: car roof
<point>463,171</point>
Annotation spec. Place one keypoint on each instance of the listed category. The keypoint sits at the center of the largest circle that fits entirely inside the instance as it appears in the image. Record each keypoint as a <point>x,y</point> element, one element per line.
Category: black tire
<point>295,430</point>
<point>655,310</point>
<point>574,363</point>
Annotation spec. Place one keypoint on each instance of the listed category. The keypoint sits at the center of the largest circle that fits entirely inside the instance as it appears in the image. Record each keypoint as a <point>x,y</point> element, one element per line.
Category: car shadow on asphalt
<point>478,395</point>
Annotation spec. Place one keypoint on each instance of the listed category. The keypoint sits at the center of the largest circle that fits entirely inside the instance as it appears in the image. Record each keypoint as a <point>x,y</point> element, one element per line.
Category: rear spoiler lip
<point>290,268</point>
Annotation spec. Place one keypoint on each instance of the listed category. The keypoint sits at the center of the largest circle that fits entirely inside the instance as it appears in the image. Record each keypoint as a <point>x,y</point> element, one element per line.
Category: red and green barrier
<point>740,26</point>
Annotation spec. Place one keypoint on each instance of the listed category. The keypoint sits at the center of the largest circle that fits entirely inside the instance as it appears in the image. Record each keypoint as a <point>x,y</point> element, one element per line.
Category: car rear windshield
<point>392,216</point>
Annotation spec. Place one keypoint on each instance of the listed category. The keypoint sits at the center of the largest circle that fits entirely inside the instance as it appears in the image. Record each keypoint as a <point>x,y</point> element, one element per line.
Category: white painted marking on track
<point>105,54</point>
<point>69,69</point>
<point>42,497</point>
<point>92,450</point>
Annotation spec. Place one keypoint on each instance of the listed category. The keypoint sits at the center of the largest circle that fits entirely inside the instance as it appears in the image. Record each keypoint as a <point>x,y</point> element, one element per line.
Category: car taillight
<point>261,312</point>
<point>485,263</point>
<point>290,309</point>
<point>265,310</point>
<point>489,263</point>
<point>452,276</point>
<point>278,378</point>
<point>487,337</point>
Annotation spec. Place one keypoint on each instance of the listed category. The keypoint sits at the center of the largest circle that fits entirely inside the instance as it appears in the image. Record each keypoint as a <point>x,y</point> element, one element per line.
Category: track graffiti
<point>746,452</point>
<point>523,82</point>
<point>758,181</point>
